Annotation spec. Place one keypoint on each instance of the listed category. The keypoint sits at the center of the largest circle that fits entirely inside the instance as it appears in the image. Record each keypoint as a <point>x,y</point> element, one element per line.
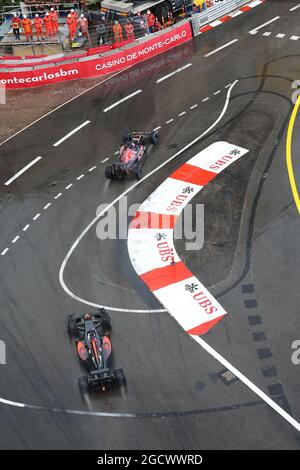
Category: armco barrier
<point>27,77</point>
<point>219,10</point>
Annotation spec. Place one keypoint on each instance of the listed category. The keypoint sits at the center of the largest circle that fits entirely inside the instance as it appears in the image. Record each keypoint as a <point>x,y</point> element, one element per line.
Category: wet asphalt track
<point>174,396</point>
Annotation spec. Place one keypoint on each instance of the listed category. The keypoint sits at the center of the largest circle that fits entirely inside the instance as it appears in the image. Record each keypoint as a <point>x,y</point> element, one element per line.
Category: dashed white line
<point>16,239</point>
<point>157,128</point>
<point>169,121</point>
<point>265,24</point>
<point>280,35</point>
<point>122,100</point>
<point>105,159</point>
<point>205,99</point>
<point>161,79</point>
<point>227,86</point>
<point>8,182</point>
<point>92,168</point>
<point>220,48</point>
<point>69,186</point>
<point>194,106</point>
<point>36,216</point>
<point>267,33</point>
<point>47,206</point>
<point>4,251</point>
<point>181,114</point>
<point>57,195</point>
<point>295,8</point>
<point>217,92</point>
<point>80,177</point>
<point>116,153</point>
<point>26,227</point>
<point>71,133</point>
<point>294,38</point>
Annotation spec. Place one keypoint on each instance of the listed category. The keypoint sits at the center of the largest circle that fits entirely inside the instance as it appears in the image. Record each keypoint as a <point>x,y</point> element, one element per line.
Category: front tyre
<point>108,172</point>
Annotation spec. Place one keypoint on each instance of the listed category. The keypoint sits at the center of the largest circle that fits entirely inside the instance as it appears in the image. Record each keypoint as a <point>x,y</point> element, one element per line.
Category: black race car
<point>131,152</point>
<point>94,350</point>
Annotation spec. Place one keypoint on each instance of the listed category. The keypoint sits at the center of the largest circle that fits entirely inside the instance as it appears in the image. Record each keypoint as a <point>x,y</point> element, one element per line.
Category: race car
<point>94,350</point>
<point>131,152</point>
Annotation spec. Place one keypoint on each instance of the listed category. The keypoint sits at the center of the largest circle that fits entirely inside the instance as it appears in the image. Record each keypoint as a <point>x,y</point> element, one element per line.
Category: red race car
<point>135,146</point>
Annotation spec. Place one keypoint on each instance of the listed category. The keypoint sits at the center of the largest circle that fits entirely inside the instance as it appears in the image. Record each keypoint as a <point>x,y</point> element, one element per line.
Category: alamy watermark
<point>189,225</point>
<point>296,354</point>
<point>2,352</point>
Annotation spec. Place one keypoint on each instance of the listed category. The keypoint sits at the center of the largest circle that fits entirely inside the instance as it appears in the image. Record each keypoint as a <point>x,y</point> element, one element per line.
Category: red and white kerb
<point>151,247</point>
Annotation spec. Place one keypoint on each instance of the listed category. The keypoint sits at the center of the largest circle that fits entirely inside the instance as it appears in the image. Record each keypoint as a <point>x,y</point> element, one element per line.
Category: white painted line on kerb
<point>92,168</point>
<point>80,177</point>
<point>26,227</point>
<point>36,216</point>
<point>265,24</point>
<point>222,47</point>
<point>105,159</point>
<point>57,195</point>
<point>47,206</point>
<point>16,239</point>
<point>71,133</point>
<point>161,79</point>
<point>247,382</point>
<point>295,8</point>
<point>8,182</point>
<point>122,100</point>
<point>4,251</point>
<point>69,186</point>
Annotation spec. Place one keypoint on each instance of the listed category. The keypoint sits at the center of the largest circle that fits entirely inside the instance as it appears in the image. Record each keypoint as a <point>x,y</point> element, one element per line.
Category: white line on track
<point>205,99</point>
<point>47,206</point>
<point>227,86</point>
<point>267,33</point>
<point>80,177</point>
<point>295,8</point>
<point>92,168</point>
<point>182,114</point>
<point>105,159</point>
<point>57,195</point>
<point>220,48</point>
<point>116,153</point>
<point>294,38</point>
<point>122,100</point>
<point>69,186</point>
<point>26,227</point>
<point>247,382</point>
<point>265,24</point>
<point>4,251</point>
<point>161,79</point>
<point>16,239</point>
<point>36,216</point>
<point>169,121</point>
<point>280,35</point>
<point>85,123</point>
<point>131,188</point>
<point>33,162</point>
<point>63,104</point>
<point>157,128</point>
<point>194,106</point>
<point>217,92</point>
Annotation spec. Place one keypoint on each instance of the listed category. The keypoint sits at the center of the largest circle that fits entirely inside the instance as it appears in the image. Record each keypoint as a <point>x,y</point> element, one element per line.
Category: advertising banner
<point>93,67</point>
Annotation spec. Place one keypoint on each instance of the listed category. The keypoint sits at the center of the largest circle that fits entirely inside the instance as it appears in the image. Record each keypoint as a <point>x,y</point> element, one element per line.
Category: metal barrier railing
<point>213,13</point>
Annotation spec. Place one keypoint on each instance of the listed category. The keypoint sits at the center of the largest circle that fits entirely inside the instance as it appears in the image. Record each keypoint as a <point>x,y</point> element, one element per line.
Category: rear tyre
<point>108,172</point>
<point>106,321</point>
<point>120,378</point>
<point>71,326</point>
<point>154,137</point>
<point>83,384</point>
<point>139,173</point>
